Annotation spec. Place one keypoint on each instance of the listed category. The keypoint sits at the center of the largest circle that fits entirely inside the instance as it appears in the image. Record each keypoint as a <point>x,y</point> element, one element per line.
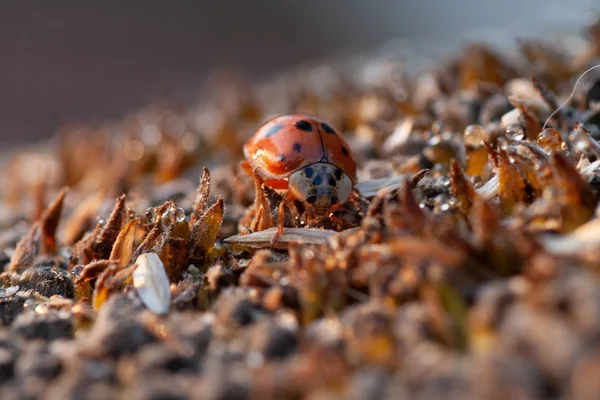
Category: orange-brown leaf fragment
<point>511,189</point>
<point>27,249</point>
<point>49,223</point>
<point>206,230</point>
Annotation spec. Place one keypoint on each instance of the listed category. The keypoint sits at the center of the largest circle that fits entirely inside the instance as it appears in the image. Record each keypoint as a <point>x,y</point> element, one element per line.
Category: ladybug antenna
<point>570,96</point>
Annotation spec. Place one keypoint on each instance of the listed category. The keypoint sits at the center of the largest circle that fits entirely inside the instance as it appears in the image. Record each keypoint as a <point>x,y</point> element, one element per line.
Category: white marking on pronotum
<point>570,96</point>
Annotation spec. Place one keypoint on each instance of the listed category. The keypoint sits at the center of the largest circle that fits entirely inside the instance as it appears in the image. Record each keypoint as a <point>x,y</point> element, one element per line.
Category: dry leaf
<point>201,200</point>
<point>27,249</point>
<point>206,230</point>
<point>49,223</point>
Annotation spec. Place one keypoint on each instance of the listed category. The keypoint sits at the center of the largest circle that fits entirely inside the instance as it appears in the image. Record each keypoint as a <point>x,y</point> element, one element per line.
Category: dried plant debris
<point>464,264</point>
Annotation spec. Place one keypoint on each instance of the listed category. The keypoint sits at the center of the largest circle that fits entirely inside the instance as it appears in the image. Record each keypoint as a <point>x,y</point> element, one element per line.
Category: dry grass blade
<point>27,249</point>
<point>110,232</point>
<point>125,243</point>
<point>151,283</point>
<point>206,230</point>
<point>262,239</point>
<point>201,200</point>
<point>49,223</point>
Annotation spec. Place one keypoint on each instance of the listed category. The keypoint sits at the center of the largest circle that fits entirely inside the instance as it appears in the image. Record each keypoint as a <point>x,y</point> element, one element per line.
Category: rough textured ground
<point>468,269</point>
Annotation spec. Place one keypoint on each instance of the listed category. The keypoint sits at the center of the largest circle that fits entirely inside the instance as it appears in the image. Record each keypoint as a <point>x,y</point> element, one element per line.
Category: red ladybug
<point>303,158</point>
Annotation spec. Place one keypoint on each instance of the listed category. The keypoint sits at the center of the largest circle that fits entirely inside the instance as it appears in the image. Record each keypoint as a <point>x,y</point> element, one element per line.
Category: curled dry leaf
<point>262,239</point>
<point>125,243</point>
<point>151,283</point>
<point>49,223</point>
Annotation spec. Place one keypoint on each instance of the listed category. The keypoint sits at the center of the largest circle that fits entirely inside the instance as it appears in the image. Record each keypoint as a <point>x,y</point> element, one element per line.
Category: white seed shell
<point>152,284</point>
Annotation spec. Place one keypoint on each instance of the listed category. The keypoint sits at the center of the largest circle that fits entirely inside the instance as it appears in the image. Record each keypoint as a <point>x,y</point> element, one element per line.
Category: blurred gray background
<point>82,60</point>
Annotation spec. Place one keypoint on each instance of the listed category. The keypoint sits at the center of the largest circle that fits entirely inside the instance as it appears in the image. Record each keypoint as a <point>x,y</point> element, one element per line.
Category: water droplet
<point>179,214</point>
<point>515,132</point>
<point>474,135</point>
<point>167,219</point>
<point>445,207</point>
<point>550,140</point>
<point>150,215</point>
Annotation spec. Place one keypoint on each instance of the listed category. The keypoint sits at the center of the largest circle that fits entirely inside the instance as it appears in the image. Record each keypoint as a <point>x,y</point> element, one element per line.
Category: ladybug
<point>304,159</point>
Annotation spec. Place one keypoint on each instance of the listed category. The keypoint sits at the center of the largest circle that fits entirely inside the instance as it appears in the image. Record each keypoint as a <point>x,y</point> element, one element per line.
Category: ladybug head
<point>321,185</point>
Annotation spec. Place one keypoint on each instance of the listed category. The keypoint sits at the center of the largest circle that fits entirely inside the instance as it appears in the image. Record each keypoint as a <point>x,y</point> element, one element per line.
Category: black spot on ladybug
<point>297,147</point>
<point>273,130</point>
<point>331,180</point>
<point>334,199</point>
<point>327,128</point>
<point>318,180</point>
<point>311,199</point>
<point>338,174</point>
<point>309,172</point>
<point>345,151</point>
<point>303,126</point>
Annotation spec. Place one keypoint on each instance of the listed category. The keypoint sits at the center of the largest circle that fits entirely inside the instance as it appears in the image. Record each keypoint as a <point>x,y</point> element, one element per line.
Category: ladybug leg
<point>357,200</point>
<point>262,219</point>
<point>288,198</point>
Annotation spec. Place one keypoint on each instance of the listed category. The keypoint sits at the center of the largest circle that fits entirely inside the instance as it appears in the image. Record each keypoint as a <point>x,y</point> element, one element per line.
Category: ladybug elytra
<point>303,158</point>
